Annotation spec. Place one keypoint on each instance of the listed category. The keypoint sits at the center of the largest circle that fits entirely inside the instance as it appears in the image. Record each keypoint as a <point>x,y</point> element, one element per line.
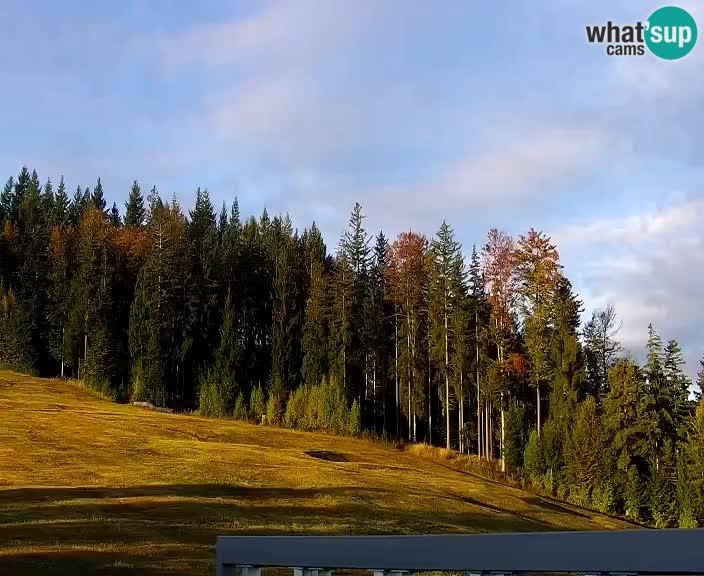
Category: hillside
<point>86,484</point>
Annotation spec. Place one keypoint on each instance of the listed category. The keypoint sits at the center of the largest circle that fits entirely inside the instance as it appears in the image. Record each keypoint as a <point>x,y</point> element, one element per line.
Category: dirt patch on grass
<point>327,455</point>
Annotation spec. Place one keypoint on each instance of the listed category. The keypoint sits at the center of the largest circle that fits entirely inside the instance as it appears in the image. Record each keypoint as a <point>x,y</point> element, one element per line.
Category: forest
<point>408,338</point>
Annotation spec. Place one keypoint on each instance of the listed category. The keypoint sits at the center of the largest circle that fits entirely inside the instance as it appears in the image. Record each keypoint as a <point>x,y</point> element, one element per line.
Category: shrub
<point>311,417</point>
<point>579,496</point>
<point>240,407</point>
<point>211,401</point>
<point>275,409</point>
<point>687,519</point>
<point>633,494</point>
<point>355,419</point>
<point>333,414</point>
<point>549,482</point>
<point>603,499</point>
<point>515,438</point>
<point>257,404</point>
<point>685,495</point>
<point>139,391</point>
<point>295,416</point>
<point>534,460</point>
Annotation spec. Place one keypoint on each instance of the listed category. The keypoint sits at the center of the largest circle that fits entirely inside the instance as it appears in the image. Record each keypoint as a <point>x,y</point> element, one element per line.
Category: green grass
<point>91,486</point>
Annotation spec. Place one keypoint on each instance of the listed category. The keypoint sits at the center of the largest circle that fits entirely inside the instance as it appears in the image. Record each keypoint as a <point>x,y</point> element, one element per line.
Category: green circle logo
<point>670,33</point>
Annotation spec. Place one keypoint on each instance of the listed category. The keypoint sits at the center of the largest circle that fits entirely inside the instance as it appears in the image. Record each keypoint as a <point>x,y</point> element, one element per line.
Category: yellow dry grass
<point>88,486</point>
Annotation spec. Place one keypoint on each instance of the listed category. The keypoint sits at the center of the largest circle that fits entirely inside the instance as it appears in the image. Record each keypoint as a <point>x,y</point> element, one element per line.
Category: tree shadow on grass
<point>173,528</point>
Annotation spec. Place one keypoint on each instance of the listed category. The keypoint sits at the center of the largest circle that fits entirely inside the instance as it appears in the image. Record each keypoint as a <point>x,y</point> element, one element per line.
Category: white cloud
<point>650,266</point>
<point>636,228</point>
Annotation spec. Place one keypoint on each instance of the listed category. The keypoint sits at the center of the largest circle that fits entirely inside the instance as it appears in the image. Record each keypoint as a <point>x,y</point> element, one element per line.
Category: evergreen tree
<point>61,269</point>
<point>480,313</point>
<point>32,272</point>
<point>76,207</point>
<point>204,249</point>
<point>21,188</point>
<point>61,205</point>
<point>7,199</point>
<point>677,388</point>
<point>586,457</point>
<point>135,214</point>
<point>286,318</point>
<point>16,352</point>
<point>47,201</point>
<point>98,198</point>
<point>694,452</point>
<point>222,222</point>
<point>378,332</point>
<point>220,390</point>
<point>657,400</point>
<point>700,382</point>
<point>315,323</point>
<point>355,247</point>
<point>622,421</point>
<point>160,339</point>
<point>115,219</point>
<point>92,315</point>
<point>446,297</point>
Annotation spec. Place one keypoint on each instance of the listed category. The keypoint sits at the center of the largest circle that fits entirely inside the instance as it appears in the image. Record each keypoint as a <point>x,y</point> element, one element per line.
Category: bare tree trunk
<point>63,330</point>
<point>374,423</point>
<point>430,404</point>
<point>503,459</point>
<point>480,436</point>
<point>537,394</point>
<point>447,382</point>
<point>479,412</point>
<point>461,415</point>
<point>398,406</point>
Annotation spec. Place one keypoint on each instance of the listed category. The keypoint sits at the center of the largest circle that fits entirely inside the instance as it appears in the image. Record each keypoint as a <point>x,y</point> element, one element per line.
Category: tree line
<point>402,338</point>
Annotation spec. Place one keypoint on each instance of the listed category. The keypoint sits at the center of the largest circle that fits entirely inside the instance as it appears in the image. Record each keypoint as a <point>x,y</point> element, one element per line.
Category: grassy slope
<point>90,485</point>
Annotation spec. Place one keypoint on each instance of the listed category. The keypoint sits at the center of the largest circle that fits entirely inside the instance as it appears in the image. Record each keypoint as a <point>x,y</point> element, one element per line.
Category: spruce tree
<point>61,269</point>
<point>61,205</point>
<point>32,273</point>
<point>622,420</point>
<point>479,317</point>
<point>7,199</point>
<point>92,294</point>
<point>115,219</point>
<point>205,262</point>
<point>20,191</point>
<point>378,333</point>
<point>658,403</point>
<point>98,198</point>
<point>677,388</point>
<point>48,199</point>
<point>700,382</point>
<point>285,315</point>
<point>220,390</point>
<point>135,214</point>
<point>160,331</point>
<point>445,298</point>
<point>355,247</point>
<point>315,320</point>
<point>76,207</point>
<point>222,222</point>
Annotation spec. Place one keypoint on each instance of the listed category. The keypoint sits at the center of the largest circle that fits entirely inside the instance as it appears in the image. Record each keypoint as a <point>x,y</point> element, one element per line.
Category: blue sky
<point>485,114</point>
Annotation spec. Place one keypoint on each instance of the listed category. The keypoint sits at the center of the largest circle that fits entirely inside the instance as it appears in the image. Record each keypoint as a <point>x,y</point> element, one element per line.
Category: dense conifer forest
<point>403,338</point>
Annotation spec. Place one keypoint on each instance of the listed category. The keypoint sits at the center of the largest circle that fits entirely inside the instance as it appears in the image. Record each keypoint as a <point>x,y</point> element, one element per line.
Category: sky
<point>491,114</point>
